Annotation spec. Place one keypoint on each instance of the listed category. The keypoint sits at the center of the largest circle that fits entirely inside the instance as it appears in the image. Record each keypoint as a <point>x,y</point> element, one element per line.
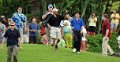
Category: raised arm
<point>45,15</point>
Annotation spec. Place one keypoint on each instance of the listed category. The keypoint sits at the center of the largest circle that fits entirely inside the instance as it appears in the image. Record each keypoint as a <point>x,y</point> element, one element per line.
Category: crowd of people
<point>56,30</point>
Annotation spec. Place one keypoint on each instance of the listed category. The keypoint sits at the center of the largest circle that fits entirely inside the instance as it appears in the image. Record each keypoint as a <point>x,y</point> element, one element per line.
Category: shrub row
<point>95,43</point>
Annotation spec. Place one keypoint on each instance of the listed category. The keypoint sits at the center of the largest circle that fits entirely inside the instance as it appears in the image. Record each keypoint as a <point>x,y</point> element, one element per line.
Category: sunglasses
<point>50,7</point>
<point>12,25</point>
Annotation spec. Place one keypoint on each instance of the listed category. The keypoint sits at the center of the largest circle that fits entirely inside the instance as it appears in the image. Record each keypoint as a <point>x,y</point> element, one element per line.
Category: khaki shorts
<point>55,32</point>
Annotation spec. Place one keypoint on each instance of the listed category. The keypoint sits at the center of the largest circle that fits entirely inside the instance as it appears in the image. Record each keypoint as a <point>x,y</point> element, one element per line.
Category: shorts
<point>113,25</point>
<point>55,32</point>
<point>92,29</point>
<point>32,39</point>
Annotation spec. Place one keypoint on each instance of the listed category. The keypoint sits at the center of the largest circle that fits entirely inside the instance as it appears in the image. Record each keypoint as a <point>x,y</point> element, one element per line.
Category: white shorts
<point>113,25</point>
<point>55,32</point>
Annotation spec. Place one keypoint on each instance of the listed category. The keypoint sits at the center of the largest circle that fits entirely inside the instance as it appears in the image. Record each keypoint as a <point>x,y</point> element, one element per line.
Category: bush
<point>114,43</point>
<point>39,38</point>
<point>95,43</point>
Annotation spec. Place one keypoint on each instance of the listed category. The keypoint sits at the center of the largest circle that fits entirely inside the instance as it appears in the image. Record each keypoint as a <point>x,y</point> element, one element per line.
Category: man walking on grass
<point>77,25</point>
<point>106,32</point>
<point>12,35</point>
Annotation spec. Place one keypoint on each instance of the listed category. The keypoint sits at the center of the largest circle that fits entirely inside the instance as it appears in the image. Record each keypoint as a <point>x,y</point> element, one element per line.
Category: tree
<point>38,7</point>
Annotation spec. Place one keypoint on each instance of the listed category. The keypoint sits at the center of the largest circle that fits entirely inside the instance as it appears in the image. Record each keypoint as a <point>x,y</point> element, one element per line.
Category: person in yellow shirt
<point>92,24</point>
<point>114,21</point>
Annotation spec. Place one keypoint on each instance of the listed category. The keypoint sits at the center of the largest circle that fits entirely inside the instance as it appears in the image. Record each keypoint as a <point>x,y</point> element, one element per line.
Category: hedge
<point>95,43</point>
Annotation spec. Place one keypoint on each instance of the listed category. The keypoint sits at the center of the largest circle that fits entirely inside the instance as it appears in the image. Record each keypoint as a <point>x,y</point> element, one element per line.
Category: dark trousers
<point>77,40</point>
<point>33,39</point>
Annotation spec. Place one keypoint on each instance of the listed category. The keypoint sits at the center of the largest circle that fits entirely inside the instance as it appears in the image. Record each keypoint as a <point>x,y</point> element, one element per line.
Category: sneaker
<point>113,54</point>
<point>119,46</point>
<point>78,52</point>
<point>56,47</point>
<point>51,44</point>
<point>74,50</point>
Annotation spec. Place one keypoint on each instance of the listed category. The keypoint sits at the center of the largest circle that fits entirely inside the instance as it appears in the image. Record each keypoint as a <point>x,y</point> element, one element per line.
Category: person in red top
<point>106,27</point>
<point>106,32</point>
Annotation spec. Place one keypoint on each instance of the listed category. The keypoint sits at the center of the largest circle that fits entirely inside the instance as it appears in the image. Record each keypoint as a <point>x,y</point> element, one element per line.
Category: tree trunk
<point>84,9</point>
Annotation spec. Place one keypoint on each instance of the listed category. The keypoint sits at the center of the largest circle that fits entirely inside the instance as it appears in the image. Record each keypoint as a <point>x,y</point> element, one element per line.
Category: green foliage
<point>114,43</point>
<point>85,7</point>
<point>39,38</point>
<point>95,43</point>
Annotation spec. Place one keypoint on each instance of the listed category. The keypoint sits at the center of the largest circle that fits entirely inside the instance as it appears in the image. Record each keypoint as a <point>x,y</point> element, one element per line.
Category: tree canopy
<point>38,7</point>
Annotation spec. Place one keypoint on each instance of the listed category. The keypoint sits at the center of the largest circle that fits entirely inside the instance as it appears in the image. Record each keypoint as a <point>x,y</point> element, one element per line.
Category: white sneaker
<point>78,52</point>
<point>74,50</point>
<point>119,46</point>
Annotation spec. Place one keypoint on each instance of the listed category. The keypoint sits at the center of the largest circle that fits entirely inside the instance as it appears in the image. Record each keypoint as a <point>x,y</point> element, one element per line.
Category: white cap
<point>66,21</point>
<point>55,9</point>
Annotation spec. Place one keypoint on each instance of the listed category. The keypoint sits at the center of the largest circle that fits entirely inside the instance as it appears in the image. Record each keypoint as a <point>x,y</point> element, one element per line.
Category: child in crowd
<point>44,39</point>
<point>44,36</point>
<point>43,33</point>
<point>83,43</point>
<point>67,34</point>
<point>2,31</point>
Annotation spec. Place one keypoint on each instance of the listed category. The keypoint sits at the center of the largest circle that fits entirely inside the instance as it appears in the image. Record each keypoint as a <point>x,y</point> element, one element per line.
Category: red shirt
<point>105,26</point>
<point>43,30</point>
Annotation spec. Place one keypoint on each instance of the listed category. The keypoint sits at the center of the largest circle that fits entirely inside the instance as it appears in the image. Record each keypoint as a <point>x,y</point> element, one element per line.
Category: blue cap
<point>50,6</point>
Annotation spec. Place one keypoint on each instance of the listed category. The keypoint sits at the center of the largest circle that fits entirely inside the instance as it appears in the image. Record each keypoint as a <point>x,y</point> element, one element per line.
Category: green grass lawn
<point>41,53</point>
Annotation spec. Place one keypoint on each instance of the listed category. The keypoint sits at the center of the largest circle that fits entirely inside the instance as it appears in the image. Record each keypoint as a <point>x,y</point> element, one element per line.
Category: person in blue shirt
<point>77,25</point>
<point>33,31</point>
<point>20,21</point>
